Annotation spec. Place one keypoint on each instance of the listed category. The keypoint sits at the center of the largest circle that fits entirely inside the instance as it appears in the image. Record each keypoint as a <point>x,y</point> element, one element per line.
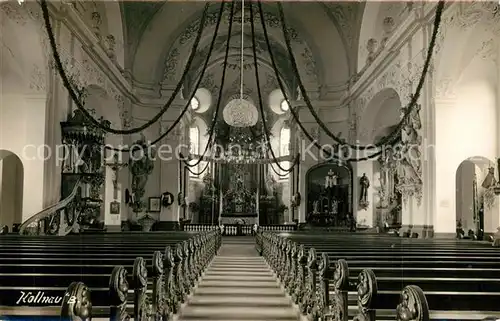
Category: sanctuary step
<point>238,285</point>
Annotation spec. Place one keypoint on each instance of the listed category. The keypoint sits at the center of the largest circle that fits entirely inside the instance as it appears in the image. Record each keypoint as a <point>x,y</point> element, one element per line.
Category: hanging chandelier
<point>241,112</point>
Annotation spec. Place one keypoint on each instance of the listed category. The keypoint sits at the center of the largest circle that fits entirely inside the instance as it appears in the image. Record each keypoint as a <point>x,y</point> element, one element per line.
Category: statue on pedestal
<point>141,166</point>
<point>364,182</point>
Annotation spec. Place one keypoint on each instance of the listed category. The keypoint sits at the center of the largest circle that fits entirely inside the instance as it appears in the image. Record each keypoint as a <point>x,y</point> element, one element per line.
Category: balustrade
<point>232,229</point>
<point>175,273</point>
<point>320,289</point>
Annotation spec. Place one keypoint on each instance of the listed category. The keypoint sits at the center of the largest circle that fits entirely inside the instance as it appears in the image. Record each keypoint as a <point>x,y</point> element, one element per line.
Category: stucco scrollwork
<point>84,73</point>
<point>409,157</point>
<point>345,13</point>
<point>173,65</point>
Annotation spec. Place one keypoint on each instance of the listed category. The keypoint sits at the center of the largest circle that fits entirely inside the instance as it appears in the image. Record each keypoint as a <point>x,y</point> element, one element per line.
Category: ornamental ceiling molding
<point>464,16</point>
<point>301,50</point>
<point>86,73</point>
<point>136,16</point>
<point>400,76</point>
<point>23,16</point>
<point>344,14</point>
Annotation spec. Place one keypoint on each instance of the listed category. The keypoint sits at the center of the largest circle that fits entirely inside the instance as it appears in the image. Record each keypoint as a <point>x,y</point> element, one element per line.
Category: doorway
<point>472,195</point>
<point>11,189</point>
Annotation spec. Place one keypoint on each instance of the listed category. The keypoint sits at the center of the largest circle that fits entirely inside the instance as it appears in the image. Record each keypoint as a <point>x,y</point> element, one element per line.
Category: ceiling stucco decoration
<point>302,51</point>
<point>240,113</point>
<point>345,14</point>
<point>137,15</point>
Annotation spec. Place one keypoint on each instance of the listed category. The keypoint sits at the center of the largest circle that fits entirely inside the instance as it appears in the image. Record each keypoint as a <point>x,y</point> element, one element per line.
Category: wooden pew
<point>460,292</point>
<point>48,268</point>
<point>174,275</point>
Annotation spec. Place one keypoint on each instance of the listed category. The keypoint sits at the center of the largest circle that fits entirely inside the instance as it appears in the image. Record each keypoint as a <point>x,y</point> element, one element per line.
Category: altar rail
<point>307,280</point>
<point>232,229</point>
<point>199,227</point>
<point>175,274</point>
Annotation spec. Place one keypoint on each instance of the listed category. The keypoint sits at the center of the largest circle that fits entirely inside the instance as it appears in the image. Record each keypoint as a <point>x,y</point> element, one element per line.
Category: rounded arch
<point>378,21</point>
<point>308,35</point>
<point>315,183</point>
<point>203,128</point>
<point>275,99</point>
<point>11,189</point>
<point>382,112</point>
<point>204,100</point>
<point>475,202</point>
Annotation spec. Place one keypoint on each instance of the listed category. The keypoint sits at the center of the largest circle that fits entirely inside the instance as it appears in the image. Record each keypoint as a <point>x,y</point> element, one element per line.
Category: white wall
<point>465,128</point>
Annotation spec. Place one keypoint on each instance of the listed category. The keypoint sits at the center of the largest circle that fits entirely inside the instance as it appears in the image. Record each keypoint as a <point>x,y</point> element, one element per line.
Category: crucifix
<point>331,179</point>
<point>115,167</point>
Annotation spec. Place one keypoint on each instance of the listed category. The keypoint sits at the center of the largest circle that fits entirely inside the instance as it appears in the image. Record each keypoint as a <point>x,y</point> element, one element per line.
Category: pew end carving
<point>77,303</point>
<point>307,279</point>
<point>174,274</point>
<point>412,305</point>
<point>118,290</point>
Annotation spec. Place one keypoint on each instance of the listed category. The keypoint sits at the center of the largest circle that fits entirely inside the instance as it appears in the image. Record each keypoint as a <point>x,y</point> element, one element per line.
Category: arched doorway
<point>474,198</point>
<point>11,189</point>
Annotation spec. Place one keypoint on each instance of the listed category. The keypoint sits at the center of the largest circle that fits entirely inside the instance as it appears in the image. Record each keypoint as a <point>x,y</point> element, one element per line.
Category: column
<point>37,189</point>
<point>170,169</point>
<point>302,209</point>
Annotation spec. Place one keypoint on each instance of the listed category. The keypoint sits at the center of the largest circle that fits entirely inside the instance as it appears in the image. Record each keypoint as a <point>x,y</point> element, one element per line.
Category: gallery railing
<point>307,280</point>
<point>175,274</point>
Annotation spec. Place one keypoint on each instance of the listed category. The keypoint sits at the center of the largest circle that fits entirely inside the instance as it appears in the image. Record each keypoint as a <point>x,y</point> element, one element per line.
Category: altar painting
<point>329,195</point>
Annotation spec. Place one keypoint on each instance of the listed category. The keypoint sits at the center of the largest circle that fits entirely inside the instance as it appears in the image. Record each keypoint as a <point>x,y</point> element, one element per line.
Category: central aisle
<point>239,285</point>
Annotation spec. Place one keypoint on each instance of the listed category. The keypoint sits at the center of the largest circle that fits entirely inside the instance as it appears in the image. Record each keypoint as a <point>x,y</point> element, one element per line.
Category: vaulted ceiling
<point>159,38</point>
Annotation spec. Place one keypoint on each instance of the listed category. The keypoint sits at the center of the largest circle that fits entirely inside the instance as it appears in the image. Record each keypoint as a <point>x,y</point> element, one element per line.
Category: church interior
<point>248,160</point>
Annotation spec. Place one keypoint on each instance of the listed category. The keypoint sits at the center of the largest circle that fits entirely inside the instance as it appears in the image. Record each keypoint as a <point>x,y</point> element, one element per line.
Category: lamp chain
<point>242,45</point>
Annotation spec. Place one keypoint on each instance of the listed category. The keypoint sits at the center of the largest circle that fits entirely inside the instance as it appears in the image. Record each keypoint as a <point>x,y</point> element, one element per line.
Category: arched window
<point>194,147</point>
<point>284,149</point>
<point>195,103</point>
<point>284,105</point>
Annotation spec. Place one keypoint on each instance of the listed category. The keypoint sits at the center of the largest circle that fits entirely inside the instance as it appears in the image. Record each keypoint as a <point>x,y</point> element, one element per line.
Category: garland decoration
<point>408,110</point>
<point>75,97</point>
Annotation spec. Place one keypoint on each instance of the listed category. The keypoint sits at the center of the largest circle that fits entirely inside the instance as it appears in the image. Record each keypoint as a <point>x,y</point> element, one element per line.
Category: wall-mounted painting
<point>329,195</point>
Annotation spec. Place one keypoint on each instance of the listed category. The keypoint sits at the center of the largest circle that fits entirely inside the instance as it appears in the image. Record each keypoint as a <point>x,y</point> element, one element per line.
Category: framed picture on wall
<point>114,207</point>
<point>154,204</point>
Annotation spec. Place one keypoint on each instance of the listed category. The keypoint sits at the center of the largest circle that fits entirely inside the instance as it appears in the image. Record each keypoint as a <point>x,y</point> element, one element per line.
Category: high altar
<point>240,189</point>
<point>239,193</point>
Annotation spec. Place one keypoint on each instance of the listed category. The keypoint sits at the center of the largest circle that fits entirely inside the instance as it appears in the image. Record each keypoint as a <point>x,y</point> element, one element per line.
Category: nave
<point>272,276</point>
